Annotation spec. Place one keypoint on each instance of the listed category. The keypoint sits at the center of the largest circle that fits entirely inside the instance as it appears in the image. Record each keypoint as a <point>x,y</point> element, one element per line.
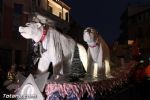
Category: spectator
<point>11,75</point>
<point>147,70</point>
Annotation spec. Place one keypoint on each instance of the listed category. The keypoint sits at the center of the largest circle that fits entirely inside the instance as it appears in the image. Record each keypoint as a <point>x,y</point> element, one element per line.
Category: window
<point>5,58</point>
<point>18,8</point>
<point>140,18</point>
<point>39,3</point>
<point>144,16</point>
<point>0,25</point>
<point>67,16</point>
<point>140,32</point>
<point>134,20</point>
<point>17,57</point>
<point>50,9</point>
<point>1,11</point>
<point>60,14</point>
<point>1,6</point>
<point>55,0</point>
<point>148,13</point>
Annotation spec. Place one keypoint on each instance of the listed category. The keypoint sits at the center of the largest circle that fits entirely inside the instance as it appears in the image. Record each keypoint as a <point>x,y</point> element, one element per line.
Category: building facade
<point>13,13</point>
<point>135,28</point>
<point>55,10</point>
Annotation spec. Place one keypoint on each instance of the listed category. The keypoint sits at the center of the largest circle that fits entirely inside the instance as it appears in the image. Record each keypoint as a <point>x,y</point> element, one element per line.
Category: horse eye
<point>27,24</point>
<point>33,21</point>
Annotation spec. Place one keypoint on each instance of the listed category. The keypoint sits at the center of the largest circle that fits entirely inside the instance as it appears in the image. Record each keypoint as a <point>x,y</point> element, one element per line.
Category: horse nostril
<point>89,30</point>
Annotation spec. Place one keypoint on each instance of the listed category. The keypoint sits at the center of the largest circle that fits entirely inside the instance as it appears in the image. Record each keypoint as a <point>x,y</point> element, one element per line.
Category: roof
<point>136,9</point>
<point>62,4</point>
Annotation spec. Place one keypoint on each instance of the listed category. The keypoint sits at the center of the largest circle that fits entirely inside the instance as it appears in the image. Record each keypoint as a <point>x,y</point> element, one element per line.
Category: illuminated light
<point>130,42</point>
<point>57,9</point>
<point>107,67</point>
<point>139,53</point>
<point>28,90</point>
<point>55,4</point>
<point>141,61</point>
<point>83,55</point>
<point>95,73</point>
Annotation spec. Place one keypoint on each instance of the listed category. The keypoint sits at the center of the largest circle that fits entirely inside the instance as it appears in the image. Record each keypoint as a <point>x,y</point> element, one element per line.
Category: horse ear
<point>39,25</point>
<point>97,40</point>
<point>97,37</point>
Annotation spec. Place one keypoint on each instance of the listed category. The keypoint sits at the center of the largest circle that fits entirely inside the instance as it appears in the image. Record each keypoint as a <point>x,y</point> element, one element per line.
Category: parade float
<point>76,73</point>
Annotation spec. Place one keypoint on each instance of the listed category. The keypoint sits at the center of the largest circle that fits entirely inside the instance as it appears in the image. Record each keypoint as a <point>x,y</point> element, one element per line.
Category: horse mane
<point>99,39</point>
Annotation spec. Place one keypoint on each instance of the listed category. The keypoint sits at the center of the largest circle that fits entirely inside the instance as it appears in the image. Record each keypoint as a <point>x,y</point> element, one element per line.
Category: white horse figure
<point>98,54</point>
<point>59,47</point>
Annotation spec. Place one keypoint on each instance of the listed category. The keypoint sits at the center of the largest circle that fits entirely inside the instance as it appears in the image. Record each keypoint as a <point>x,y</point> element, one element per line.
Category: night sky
<point>104,15</point>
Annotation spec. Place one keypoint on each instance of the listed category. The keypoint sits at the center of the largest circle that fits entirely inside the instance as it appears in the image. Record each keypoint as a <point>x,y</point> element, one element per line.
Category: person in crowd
<point>11,75</point>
